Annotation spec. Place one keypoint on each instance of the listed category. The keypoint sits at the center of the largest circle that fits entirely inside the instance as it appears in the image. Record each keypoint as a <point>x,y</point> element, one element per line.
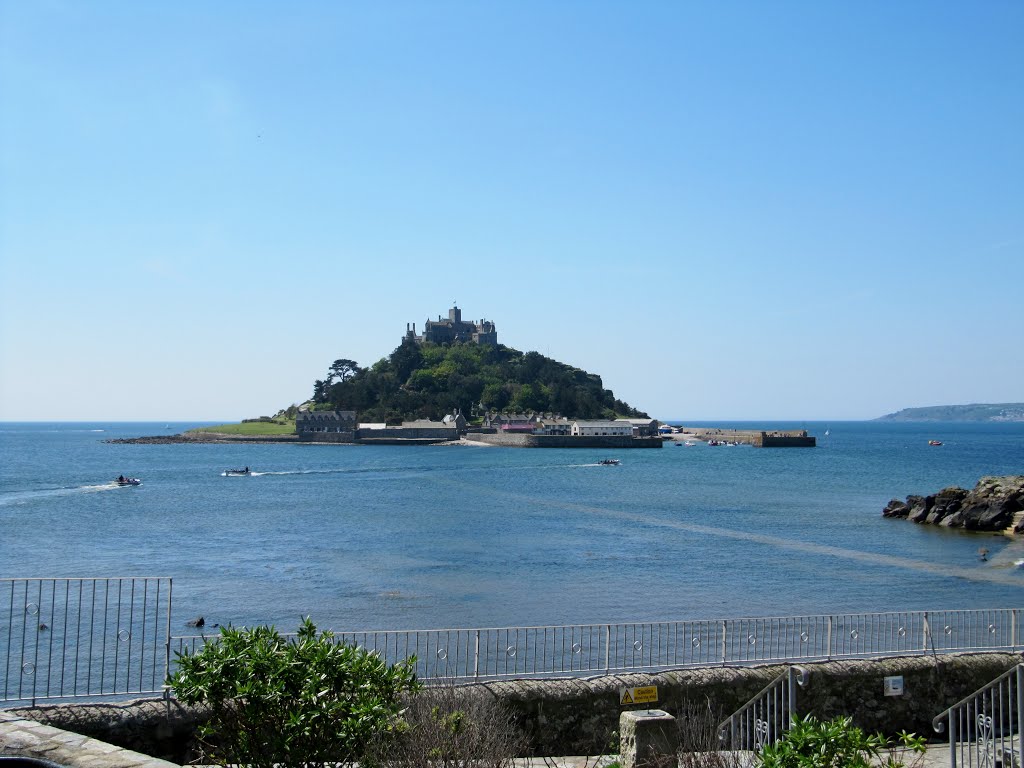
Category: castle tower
<point>454,329</point>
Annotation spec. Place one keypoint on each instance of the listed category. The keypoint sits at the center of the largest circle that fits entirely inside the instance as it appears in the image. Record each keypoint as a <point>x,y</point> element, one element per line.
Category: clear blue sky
<point>763,210</point>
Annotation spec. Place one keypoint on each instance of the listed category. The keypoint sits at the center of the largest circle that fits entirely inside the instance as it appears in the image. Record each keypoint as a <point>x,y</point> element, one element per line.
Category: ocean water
<point>386,537</point>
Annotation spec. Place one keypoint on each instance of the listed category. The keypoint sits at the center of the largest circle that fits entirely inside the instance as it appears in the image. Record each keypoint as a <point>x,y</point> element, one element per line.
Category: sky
<point>729,210</point>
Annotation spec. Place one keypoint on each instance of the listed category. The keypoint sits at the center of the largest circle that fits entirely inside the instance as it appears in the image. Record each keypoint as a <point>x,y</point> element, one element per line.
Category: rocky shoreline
<point>204,437</point>
<point>995,504</point>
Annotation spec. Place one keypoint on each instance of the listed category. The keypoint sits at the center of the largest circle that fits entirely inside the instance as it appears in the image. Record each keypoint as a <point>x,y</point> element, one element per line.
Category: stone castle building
<point>443,331</point>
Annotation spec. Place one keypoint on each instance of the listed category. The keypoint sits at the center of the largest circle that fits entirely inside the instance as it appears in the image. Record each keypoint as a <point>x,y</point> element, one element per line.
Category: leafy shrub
<point>306,701</point>
<point>837,743</point>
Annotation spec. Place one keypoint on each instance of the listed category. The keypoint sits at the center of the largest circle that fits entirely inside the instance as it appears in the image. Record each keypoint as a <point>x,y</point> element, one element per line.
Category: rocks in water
<point>992,505</point>
<point>197,622</point>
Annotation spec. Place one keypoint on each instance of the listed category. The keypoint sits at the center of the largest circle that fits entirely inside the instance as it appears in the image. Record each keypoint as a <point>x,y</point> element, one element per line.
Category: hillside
<point>974,412</point>
<point>428,381</point>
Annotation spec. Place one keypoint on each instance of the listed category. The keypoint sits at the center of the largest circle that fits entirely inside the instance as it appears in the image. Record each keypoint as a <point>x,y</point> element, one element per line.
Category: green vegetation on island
<point>428,381</point>
<point>974,412</point>
<point>282,423</point>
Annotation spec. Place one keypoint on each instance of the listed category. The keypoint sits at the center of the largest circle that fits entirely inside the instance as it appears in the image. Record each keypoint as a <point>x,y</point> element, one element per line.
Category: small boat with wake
<point>122,480</point>
<point>609,462</point>
<point>237,472</point>
<point>934,442</point>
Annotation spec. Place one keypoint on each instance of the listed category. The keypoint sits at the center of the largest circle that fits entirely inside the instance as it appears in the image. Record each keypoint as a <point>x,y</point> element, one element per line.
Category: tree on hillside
<point>342,370</point>
<point>320,388</point>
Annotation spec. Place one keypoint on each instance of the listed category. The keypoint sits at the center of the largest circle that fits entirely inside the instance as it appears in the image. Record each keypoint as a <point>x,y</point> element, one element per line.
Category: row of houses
<point>342,427</point>
<point>547,424</point>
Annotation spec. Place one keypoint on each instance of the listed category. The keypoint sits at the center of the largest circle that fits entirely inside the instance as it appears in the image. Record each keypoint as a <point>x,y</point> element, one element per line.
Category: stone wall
<point>567,441</point>
<point>580,716</point>
<point>576,717</point>
<point>327,437</point>
<point>408,433</point>
<point>777,440</point>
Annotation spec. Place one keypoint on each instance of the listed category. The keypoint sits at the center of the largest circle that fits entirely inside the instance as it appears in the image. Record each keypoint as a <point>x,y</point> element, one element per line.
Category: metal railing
<point>765,718</point>
<point>985,728</point>
<point>592,649</point>
<point>69,638</point>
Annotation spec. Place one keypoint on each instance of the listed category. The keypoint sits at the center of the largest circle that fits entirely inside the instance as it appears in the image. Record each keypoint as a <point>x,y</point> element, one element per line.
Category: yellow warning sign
<point>642,695</point>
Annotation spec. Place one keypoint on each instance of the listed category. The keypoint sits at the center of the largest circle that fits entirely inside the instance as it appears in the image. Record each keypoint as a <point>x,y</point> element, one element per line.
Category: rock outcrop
<point>992,505</point>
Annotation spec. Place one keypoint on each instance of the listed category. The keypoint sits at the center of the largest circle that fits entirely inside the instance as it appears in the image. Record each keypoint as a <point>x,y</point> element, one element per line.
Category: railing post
<point>926,634</point>
<point>476,656</point>
<point>725,659</point>
<point>1014,628</point>
<point>951,723</point>
<point>828,654</point>
<point>1020,709</point>
<point>791,696</point>
<point>167,644</point>
<point>607,647</point>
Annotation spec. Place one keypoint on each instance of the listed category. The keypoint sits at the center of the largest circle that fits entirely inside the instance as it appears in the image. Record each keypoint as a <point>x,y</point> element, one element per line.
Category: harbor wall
<point>793,438</point>
<point>565,441</point>
<point>781,440</point>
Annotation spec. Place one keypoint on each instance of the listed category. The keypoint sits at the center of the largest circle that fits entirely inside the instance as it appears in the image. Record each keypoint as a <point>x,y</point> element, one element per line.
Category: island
<point>454,383</point>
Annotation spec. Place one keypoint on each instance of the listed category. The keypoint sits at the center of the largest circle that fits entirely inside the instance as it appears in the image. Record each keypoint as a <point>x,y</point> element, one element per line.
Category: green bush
<point>837,743</point>
<point>306,701</point>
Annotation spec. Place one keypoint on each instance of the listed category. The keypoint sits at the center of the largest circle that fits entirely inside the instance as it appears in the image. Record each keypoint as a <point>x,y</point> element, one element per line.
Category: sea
<point>424,537</point>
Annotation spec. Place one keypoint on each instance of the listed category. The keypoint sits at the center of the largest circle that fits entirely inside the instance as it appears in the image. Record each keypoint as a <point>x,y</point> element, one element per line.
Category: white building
<point>602,428</point>
<point>553,427</point>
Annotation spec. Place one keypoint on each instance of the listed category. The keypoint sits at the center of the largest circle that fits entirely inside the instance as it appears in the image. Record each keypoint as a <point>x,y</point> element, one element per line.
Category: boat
<point>237,472</point>
<point>934,442</point>
<point>689,444</point>
<point>609,462</point>
<point>122,480</point>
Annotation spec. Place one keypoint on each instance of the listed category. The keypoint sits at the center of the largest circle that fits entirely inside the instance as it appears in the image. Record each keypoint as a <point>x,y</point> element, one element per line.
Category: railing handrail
<point>778,682</point>
<point>937,722</point>
<point>47,650</point>
<point>645,622</point>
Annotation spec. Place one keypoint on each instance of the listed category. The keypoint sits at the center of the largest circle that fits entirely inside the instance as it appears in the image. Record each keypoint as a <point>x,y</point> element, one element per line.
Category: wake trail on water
<point>396,470</point>
<point>23,497</point>
<point>794,545</point>
<point>336,471</point>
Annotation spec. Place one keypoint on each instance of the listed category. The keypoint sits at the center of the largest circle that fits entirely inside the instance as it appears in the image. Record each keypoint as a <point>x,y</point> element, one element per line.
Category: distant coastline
<point>981,412</point>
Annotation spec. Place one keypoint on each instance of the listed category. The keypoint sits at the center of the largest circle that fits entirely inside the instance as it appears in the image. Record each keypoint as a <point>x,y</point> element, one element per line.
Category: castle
<point>443,331</point>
